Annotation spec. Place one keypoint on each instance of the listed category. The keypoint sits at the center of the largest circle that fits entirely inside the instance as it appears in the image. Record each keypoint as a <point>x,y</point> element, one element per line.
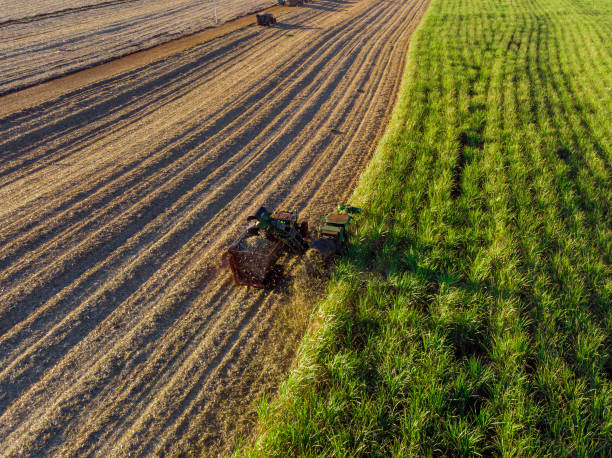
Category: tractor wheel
<point>326,247</point>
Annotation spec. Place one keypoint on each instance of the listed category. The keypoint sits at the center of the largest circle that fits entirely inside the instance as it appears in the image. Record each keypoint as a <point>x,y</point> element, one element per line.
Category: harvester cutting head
<point>252,256</point>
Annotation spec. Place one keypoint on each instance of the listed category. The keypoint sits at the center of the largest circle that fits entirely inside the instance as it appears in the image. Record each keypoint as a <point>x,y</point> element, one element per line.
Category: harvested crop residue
<point>257,244</point>
<point>120,329</point>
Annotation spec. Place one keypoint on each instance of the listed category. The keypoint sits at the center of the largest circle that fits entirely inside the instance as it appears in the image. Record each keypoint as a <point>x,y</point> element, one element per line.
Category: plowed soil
<point>42,40</point>
<point>120,328</point>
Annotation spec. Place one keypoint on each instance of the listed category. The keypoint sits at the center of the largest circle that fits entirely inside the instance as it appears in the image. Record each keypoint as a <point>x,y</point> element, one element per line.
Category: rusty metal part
<point>250,263</point>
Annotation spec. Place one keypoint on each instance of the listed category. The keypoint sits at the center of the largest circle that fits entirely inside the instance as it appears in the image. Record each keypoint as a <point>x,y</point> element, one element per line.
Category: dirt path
<point>120,330</point>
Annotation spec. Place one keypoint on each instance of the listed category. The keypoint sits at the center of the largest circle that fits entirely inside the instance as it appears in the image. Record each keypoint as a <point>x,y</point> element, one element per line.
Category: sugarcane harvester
<point>252,256</point>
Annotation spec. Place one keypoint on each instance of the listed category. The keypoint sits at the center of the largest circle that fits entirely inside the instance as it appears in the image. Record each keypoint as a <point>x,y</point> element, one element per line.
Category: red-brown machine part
<point>250,267</point>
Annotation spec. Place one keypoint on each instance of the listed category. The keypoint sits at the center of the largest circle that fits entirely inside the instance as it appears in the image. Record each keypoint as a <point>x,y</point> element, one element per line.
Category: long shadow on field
<point>100,309</point>
<point>254,99</point>
<point>173,92</point>
<point>63,12</point>
<point>101,379</point>
<point>138,393</point>
<point>135,90</point>
<point>391,257</point>
<point>79,41</point>
<point>204,374</point>
<point>113,95</point>
<point>283,26</point>
<point>332,5</point>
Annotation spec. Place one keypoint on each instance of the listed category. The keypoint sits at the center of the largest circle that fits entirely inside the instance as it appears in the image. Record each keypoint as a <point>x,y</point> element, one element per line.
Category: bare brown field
<point>43,40</point>
<point>120,329</point>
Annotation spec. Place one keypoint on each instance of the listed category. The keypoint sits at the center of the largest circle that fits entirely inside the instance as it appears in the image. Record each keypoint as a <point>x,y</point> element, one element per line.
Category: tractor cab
<point>335,226</point>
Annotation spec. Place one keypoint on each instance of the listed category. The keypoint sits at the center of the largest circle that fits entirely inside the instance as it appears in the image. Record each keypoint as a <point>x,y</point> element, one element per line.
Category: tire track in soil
<point>121,331</point>
<point>21,293</point>
<point>46,346</point>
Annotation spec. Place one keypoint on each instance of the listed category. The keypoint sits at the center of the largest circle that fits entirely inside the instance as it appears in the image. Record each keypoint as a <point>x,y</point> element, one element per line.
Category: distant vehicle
<point>266,19</point>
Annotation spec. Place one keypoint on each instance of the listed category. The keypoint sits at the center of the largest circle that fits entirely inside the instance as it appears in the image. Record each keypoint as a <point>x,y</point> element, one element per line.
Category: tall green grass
<point>472,315</point>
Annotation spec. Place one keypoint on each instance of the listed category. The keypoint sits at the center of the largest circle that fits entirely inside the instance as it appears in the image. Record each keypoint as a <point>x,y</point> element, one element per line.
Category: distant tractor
<point>265,19</point>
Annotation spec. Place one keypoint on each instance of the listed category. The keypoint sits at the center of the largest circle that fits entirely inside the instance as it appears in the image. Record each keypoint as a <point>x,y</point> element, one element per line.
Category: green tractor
<point>332,233</point>
<point>253,254</point>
